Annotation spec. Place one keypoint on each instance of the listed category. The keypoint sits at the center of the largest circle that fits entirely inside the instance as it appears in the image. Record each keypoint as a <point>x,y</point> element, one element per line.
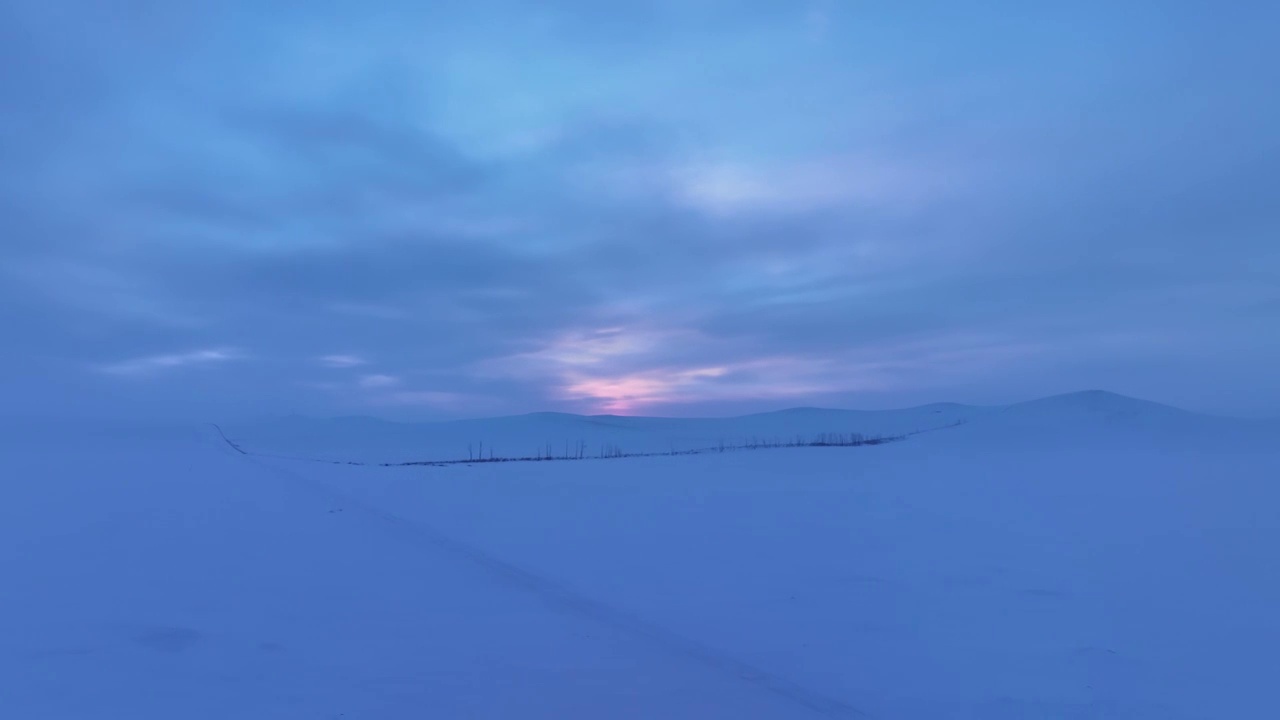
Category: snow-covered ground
<point>1086,556</point>
<point>371,440</point>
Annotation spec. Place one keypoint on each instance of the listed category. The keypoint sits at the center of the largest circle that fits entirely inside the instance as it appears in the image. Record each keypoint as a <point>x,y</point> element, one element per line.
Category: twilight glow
<point>672,207</point>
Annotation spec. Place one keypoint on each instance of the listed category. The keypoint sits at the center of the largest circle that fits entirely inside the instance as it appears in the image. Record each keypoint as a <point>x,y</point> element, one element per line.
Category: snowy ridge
<point>1104,417</point>
<point>369,440</point>
<point>1059,417</point>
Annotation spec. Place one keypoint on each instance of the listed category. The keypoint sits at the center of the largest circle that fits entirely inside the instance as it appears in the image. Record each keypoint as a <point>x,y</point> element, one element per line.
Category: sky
<point>683,207</point>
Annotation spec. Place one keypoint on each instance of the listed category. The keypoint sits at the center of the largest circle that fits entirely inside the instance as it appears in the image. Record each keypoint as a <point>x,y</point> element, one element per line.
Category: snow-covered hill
<point>1085,556</point>
<point>1093,413</point>
<point>370,440</point>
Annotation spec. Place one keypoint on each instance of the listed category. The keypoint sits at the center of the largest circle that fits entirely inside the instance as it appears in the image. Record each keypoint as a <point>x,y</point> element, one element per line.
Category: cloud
<point>92,286</point>
<point>342,361</point>
<point>746,380</point>
<point>850,183</point>
<point>159,363</point>
<point>676,205</point>
<point>578,348</point>
<point>378,381</point>
<point>628,393</point>
<point>624,370</point>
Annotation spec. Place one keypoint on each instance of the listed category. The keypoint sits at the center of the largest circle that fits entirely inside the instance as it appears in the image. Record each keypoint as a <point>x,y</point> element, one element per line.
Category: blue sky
<point>431,210</point>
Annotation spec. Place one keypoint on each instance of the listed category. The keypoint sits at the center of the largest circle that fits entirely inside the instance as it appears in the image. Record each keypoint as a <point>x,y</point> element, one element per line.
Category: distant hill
<point>369,439</point>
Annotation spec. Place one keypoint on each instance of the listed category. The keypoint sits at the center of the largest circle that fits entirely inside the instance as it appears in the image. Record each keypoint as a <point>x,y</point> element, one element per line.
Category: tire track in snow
<point>562,597</point>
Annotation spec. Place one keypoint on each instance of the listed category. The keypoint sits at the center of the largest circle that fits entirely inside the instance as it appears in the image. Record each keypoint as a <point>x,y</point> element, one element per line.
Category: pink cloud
<point>622,370</point>
<point>753,379</point>
<point>626,393</point>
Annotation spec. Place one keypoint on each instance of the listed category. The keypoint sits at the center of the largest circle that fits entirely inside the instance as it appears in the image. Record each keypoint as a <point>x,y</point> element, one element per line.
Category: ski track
<point>564,598</point>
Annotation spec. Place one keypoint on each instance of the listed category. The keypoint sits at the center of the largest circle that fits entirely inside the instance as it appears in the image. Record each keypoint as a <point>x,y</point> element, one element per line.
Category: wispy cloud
<point>620,370</point>
<point>625,393</point>
<point>342,361</point>
<point>378,381</point>
<point>579,348</point>
<point>159,363</point>
<point>753,379</point>
<point>721,188</point>
<point>623,370</point>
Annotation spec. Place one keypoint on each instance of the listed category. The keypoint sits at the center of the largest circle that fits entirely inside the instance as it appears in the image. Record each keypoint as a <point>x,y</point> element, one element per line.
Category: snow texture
<point>1085,556</point>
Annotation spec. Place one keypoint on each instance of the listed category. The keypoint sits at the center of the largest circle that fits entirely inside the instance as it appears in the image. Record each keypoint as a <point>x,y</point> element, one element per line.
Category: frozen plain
<point>1083,556</point>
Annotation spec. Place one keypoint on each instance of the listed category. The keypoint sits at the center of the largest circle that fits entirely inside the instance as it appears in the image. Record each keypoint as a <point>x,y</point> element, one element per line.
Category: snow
<point>371,440</point>
<point>1086,556</point>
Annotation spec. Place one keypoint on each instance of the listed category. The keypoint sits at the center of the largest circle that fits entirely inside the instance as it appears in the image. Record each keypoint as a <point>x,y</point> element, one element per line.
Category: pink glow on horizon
<point>762,378</point>
<point>624,394</point>
<point>629,370</point>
